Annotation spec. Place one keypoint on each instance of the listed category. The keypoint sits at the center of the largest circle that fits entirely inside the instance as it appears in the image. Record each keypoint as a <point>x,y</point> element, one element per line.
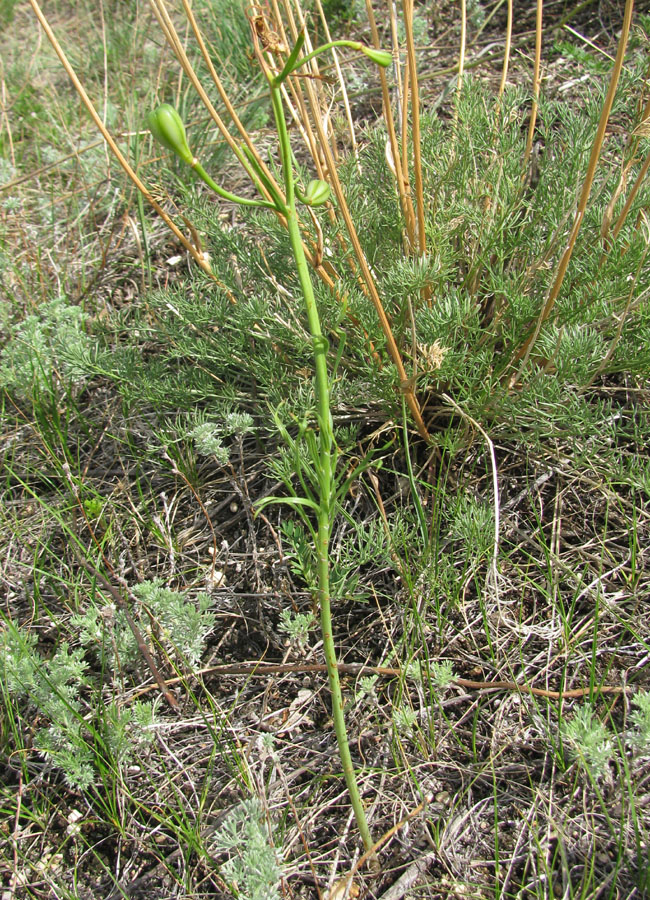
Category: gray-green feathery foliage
<point>251,865</point>
<point>180,625</point>
<point>53,688</point>
<point>46,347</point>
<point>492,241</point>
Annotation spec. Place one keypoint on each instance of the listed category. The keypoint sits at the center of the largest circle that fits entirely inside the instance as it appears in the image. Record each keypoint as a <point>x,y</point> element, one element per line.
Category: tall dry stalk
<point>194,251</point>
<point>642,130</point>
<point>407,9</point>
<point>395,159</point>
<point>309,87</point>
<point>506,54</point>
<point>536,83</point>
<point>523,353</point>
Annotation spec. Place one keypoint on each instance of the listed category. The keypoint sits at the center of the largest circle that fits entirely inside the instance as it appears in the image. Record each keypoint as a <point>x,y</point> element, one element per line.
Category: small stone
<point>215,579</point>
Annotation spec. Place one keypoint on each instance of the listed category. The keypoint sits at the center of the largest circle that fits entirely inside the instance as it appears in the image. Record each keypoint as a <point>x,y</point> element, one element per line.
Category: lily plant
<point>322,488</point>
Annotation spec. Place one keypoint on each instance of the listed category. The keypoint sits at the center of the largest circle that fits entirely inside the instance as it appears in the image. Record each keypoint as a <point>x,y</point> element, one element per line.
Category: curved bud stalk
<point>381,58</point>
<point>167,127</point>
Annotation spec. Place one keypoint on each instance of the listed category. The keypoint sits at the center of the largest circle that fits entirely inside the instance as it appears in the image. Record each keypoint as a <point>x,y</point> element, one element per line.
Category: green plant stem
<point>242,201</point>
<point>294,63</point>
<point>327,499</point>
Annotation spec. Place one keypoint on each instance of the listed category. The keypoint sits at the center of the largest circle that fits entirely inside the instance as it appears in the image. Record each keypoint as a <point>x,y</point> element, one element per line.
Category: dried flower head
<point>432,355</point>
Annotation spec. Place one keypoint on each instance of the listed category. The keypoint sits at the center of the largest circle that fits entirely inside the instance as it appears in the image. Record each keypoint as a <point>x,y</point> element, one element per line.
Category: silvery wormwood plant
<point>592,745</point>
<point>52,687</point>
<point>251,865</point>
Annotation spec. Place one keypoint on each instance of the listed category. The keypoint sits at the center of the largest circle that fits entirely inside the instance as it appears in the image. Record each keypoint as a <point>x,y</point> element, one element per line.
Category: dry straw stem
<point>124,163</point>
<point>643,128</point>
<point>397,165</point>
<point>324,269</point>
<point>461,51</point>
<point>223,94</point>
<point>341,80</point>
<point>171,35</point>
<point>536,84</point>
<point>524,352</point>
<point>137,634</point>
<point>5,104</point>
<point>405,383</point>
<point>305,90</point>
<point>370,855</point>
<point>402,105</point>
<point>502,82</point>
<point>36,173</point>
<point>461,70</point>
<point>258,669</point>
<point>397,67</point>
<point>367,281</point>
<point>506,53</point>
<point>415,123</point>
<point>4,120</point>
<point>633,192</point>
<point>622,317</point>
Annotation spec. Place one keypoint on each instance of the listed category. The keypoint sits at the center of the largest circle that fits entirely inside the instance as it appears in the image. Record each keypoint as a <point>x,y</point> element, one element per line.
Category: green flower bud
<point>167,127</point>
<point>383,58</point>
<point>317,193</point>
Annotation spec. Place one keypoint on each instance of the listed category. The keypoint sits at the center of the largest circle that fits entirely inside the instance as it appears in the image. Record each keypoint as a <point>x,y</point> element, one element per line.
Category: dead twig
<point>262,670</point>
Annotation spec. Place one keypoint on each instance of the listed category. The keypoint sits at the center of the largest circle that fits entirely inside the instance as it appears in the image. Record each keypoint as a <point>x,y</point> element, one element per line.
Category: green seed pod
<point>317,193</point>
<point>383,58</point>
<point>167,127</point>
